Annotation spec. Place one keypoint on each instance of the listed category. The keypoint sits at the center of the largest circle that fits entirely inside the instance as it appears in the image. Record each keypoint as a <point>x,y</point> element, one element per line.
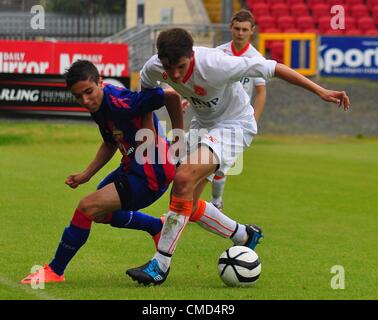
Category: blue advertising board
<point>354,57</point>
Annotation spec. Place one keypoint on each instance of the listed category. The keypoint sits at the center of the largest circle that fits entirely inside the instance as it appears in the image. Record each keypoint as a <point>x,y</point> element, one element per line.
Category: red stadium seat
<point>285,22</point>
<point>276,51</point>
<point>320,10</point>
<point>351,2</point>
<point>292,2</point>
<point>359,10</point>
<point>269,43</point>
<point>292,30</point>
<point>311,3</point>
<point>272,2</point>
<point>365,23</point>
<point>272,30</point>
<point>299,9</point>
<point>305,22</point>
<point>335,2</point>
<point>350,22</point>
<point>345,6</point>
<point>250,3</point>
<point>264,22</point>
<point>324,24</point>
<point>353,32</point>
<point>372,3</point>
<point>371,32</point>
<point>374,11</point>
<point>311,30</point>
<point>279,9</point>
<point>331,32</point>
<point>260,9</point>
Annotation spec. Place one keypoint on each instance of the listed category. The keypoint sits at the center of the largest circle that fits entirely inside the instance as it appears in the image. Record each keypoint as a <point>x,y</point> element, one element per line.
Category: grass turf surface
<point>315,197</point>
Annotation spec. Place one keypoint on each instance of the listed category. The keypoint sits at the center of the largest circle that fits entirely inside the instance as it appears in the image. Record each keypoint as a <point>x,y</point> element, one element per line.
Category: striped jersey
<point>120,117</point>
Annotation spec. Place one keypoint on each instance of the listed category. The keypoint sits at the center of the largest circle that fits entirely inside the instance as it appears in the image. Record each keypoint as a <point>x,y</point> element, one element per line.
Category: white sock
<point>217,190</point>
<point>164,261</point>
<point>240,237</point>
<point>217,222</point>
<point>172,229</point>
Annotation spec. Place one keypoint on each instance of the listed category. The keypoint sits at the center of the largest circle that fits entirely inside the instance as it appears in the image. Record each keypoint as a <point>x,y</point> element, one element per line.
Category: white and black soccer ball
<point>239,266</point>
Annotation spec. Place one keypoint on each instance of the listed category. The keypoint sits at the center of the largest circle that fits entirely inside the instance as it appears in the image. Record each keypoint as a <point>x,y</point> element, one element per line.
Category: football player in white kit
<point>210,80</point>
<point>242,27</point>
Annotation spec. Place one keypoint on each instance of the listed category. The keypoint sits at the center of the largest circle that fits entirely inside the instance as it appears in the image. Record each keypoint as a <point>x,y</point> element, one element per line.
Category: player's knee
<point>183,183</point>
<point>88,207</point>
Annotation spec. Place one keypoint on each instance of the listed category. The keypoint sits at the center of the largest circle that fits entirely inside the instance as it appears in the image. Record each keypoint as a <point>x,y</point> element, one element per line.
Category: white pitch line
<point>36,292</point>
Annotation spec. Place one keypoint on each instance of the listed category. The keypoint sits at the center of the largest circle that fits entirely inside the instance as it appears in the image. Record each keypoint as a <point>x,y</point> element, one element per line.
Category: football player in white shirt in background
<point>210,80</point>
<point>242,27</point>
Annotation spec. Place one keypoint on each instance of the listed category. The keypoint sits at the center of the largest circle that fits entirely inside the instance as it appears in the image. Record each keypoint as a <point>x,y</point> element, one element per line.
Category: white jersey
<point>212,84</point>
<point>248,51</point>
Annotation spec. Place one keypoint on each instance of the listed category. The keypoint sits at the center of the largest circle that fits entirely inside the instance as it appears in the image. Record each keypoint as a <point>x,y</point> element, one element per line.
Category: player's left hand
<point>339,97</point>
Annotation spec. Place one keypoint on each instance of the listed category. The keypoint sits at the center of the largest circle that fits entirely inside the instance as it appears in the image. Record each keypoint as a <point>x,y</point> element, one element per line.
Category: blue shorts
<point>132,189</point>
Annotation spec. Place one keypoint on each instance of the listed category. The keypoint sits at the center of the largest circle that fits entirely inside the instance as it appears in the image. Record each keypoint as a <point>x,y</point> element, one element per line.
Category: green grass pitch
<point>315,197</point>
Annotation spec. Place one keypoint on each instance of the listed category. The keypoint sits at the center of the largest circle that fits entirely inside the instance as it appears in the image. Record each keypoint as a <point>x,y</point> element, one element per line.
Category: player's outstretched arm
<point>104,154</point>
<point>290,75</point>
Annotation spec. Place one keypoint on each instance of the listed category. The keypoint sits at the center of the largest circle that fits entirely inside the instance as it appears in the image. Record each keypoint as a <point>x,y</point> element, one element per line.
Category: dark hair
<point>242,16</point>
<point>81,70</point>
<point>174,44</point>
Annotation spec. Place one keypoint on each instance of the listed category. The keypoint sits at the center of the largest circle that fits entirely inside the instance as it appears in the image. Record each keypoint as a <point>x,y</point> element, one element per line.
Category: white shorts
<point>228,139</point>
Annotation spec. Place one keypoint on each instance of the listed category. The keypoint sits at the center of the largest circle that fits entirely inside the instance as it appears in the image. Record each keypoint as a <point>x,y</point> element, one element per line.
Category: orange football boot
<point>43,275</point>
<point>156,237</point>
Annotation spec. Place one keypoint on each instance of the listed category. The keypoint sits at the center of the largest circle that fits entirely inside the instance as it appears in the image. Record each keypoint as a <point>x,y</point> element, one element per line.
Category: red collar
<point>190,70</point>
<point>239,53</point>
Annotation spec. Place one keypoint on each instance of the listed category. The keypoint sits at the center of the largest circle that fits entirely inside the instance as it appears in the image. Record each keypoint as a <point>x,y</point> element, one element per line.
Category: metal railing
<point>142,39</point>
<point>17,25</point>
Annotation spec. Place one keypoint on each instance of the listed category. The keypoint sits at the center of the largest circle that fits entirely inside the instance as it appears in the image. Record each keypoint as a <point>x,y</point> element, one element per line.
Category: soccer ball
<point>239,266</point>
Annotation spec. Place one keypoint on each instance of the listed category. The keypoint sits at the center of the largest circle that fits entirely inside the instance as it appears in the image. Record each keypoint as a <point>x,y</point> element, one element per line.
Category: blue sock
<point>72,240</point>
<point>136,220</point>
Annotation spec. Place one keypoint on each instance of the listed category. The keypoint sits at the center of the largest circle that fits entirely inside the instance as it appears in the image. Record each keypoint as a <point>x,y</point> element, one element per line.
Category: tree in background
<point>86,7</point>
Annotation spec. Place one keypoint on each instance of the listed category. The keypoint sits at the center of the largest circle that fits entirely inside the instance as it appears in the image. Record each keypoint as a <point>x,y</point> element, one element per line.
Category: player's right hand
<point>76,179</point>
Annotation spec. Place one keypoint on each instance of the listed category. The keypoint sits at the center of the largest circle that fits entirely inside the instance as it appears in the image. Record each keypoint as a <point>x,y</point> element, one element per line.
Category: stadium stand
<point>279,9</point>
<point>314,16</point>
<point>299,9</point>
<point>372,3</point>
<point>293,2</point>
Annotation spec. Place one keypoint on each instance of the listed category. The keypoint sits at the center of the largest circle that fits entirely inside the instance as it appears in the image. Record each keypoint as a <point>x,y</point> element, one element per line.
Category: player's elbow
<point>171,94</point>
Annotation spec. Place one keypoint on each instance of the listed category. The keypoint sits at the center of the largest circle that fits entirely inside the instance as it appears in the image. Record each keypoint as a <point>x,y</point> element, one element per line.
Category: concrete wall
<point>154,11</point>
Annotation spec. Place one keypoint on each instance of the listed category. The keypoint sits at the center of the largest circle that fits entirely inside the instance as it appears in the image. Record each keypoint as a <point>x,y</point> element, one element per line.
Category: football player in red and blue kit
<point>139,180</point>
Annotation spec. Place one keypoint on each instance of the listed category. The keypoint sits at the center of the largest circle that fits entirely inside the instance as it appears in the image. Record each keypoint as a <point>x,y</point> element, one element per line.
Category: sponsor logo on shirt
<point>212,139</point>
<point>200,91</point>
<point>200,104</point>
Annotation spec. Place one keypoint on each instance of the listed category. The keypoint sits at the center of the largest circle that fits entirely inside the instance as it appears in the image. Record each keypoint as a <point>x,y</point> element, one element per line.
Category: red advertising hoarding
<point>31,72</point>
<point>33,57</point>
